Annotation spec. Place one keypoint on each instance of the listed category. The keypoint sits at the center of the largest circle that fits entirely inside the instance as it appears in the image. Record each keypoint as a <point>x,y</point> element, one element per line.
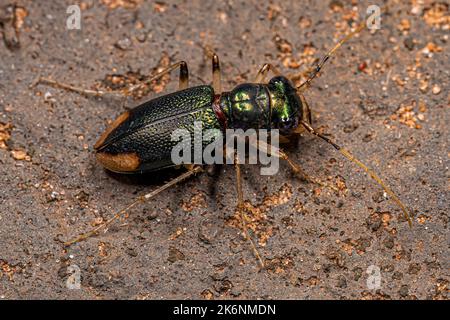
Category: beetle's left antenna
<point>143,198</point>
<point>328,55</point>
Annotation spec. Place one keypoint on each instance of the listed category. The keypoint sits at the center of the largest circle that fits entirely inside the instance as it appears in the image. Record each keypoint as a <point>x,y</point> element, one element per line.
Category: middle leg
<point>217,81</point>
<point>241,208</point>
<point>216,73</point>
<point>262,73</point>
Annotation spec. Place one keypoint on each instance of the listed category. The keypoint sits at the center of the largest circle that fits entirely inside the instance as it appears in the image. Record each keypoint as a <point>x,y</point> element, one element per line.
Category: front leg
<point>277,152</point>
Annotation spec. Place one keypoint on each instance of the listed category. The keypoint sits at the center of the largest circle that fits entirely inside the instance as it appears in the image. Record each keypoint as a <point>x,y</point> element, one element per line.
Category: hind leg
<point>183,79</point>
<point>192,171</point>
<point>183,82</point>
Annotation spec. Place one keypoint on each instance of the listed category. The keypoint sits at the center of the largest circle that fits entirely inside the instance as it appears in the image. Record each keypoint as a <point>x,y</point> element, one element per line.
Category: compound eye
<point>280,82</point>
<point>286,125</point>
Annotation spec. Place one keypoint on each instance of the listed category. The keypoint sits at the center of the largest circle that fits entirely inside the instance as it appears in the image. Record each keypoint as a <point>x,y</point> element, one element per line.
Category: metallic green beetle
<point>140,139</point>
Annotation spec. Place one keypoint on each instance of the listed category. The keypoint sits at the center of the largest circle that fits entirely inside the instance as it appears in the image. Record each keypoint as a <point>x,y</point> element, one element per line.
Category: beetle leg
<point>183,78</point>
<point>241,208</point>
<point>217,82</point>
<point>57,84</point>
<point>306,114</point>
<point>277,152</point>
<point>369,171</point>
<point>262,73</point>
<point>306,110</point>
<point>183,82</point>
<point>143,198</point>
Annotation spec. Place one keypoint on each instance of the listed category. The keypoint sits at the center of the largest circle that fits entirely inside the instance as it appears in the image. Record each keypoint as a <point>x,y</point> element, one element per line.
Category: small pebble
<point>20,155</point>
<point>403,291</point>
<point>123,44</point>
<point>342,282</point>
<point>141,36</point>
<point>409,43</point>
<point>436,89</point>
<point>208,231</point>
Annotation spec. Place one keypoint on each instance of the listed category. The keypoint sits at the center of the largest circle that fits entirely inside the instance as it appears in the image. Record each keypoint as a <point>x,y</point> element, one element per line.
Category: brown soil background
<point>318,244</point>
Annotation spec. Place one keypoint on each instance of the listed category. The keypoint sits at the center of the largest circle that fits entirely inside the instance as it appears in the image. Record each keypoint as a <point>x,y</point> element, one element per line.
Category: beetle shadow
<point>151,178</point>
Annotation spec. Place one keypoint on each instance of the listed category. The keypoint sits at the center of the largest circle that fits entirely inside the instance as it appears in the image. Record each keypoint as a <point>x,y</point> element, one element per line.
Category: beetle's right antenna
<point>374,176</point>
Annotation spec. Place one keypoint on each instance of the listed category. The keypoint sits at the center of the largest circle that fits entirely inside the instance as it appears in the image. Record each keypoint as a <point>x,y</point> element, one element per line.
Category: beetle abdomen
<point>140,139</point>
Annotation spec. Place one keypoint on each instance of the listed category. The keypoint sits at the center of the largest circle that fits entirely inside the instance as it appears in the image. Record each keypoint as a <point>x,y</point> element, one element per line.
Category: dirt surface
<point>384,96</point>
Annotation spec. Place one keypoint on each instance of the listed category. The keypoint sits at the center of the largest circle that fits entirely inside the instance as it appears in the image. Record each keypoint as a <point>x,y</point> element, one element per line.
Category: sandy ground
<point>384,96</point>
